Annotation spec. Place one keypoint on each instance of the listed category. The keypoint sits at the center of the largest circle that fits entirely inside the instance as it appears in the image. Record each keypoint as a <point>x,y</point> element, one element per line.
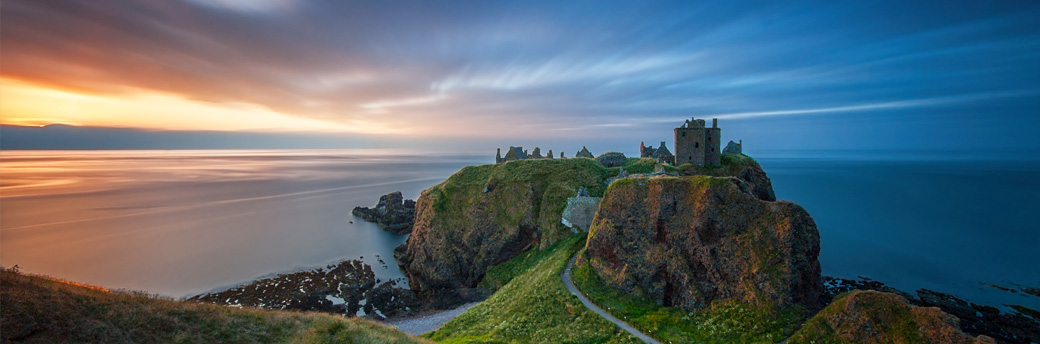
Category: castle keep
<point>695,144</point>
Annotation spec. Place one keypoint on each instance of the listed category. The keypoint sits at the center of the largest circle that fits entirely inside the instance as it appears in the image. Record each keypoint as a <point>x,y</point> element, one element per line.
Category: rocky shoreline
<point>1020,327</point>
<point>349,288</point>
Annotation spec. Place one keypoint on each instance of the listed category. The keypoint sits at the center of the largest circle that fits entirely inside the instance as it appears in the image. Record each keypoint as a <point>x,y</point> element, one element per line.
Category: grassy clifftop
<point>485,215</point>
<point>41,310</point>
<point>737,165</point>
<point>544,184</point>
<point>533,306</point>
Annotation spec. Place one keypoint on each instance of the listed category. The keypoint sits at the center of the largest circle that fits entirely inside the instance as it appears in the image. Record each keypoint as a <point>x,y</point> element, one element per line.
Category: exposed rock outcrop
<point>740,166</point>
<point>343,288</point>
<point>612,159</point>
<point>484,215</point>
<point>686,242</point>
<point>1011,327</point>
<point>879,317</point>
<point>392,213</point>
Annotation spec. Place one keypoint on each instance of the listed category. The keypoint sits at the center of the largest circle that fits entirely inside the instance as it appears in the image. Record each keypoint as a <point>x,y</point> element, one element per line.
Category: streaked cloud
<point>589,69</point>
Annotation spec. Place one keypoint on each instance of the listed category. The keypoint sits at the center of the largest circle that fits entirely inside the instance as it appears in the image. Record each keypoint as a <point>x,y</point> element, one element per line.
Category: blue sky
<point>888,75</point>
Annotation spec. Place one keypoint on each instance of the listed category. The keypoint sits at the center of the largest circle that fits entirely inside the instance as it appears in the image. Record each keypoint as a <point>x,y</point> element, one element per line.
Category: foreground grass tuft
<point>41,310</point>
<point>533,307</point>
<point>722,322</point>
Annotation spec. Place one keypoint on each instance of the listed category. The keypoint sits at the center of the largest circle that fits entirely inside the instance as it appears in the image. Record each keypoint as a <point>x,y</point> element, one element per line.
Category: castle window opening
<point>696,144</point>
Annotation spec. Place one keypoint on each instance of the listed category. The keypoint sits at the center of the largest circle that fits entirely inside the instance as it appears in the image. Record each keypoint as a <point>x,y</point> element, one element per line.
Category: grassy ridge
<point>731,165</point>
<point>532,192</point>
<point>533,307</point>
<point>722,322</point>
<point>41,310</point>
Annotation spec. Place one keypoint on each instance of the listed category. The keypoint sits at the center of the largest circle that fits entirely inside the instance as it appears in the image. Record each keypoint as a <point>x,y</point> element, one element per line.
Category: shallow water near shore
<point>180,223</point>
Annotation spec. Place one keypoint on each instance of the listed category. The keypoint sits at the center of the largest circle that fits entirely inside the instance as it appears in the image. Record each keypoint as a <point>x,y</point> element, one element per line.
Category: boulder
<point>393,213</point>
<point>880,317</point>
<point>689,241</point>
<point>612,159</point>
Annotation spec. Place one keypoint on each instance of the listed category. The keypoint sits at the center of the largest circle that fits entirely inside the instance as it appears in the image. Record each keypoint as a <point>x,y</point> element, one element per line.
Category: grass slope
<point>41,310</point>
<point>533,306</point>
<point>732,165</point>
<point>537,188</point>
<point>722,322</point>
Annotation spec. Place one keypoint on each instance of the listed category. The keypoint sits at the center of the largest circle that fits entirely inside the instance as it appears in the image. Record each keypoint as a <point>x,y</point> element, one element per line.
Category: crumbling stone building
<point>661,154</point>
<point>518,153</point>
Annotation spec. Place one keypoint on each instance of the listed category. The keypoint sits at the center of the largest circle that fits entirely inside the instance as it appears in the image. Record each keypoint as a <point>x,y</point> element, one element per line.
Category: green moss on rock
<point>687,242</point>
<point>485,215</point>
<point>737,165</point>
<point>721,322</point>
<point>879,317</point>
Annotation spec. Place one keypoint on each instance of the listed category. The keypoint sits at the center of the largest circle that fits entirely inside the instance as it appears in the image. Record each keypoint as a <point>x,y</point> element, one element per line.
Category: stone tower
<point>713,143</point>
<point>695,144</point>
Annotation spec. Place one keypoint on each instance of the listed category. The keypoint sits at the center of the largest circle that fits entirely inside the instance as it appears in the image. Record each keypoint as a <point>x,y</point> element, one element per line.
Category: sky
<point>958,76</point>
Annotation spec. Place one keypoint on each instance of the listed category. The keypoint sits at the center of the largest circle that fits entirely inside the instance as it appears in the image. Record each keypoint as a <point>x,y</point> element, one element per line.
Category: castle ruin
<point>697,145</point>
<point>661,154</point>
<point>518,153</point>
<point>694,144</point>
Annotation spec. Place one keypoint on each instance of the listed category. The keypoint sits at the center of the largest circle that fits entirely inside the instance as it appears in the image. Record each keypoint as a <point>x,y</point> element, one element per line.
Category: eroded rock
<point>880,317</point>
<point>393,213</point>
<point>686,242</point>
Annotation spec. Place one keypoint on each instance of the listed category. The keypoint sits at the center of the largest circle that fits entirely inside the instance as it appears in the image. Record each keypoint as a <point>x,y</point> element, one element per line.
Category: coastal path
<point>566,276</point>
<point>430,322</point>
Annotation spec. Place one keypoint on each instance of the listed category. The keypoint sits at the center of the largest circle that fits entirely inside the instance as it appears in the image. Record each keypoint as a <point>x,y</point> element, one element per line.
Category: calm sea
<point>184,222</point>
<point>948,226</point>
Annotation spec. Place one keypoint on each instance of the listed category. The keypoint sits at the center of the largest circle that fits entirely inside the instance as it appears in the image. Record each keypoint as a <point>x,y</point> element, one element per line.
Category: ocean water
<point>185,222</point>
<point>180,223</point>
<point>945,225</point>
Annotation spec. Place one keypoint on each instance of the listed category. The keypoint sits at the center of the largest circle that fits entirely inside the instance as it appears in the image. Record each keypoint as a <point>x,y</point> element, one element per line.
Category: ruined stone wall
<point>712,143</point>
<point>689,146</point>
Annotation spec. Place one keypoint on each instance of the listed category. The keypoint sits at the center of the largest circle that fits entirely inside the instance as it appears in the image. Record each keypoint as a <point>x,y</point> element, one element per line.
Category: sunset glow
<point>502,73</point>
<point>29,104</point>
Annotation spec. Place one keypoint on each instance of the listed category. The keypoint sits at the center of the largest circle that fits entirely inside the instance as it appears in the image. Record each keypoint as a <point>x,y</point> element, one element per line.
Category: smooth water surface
<point>184,222</point>
<point>948,226</point>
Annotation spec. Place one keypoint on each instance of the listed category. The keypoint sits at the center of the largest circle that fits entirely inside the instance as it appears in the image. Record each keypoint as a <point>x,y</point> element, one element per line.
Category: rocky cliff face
<point>485,215</point>
<point>740,166</point>
<point>879,317</point>
<point>688,241</point>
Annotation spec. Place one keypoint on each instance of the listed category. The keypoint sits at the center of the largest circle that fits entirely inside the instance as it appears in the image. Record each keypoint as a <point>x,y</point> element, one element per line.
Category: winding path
<point>430,322</point>
<point>566,276</point>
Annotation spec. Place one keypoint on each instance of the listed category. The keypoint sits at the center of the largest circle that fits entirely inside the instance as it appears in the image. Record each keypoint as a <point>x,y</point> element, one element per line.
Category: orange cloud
<point>33,104</point>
